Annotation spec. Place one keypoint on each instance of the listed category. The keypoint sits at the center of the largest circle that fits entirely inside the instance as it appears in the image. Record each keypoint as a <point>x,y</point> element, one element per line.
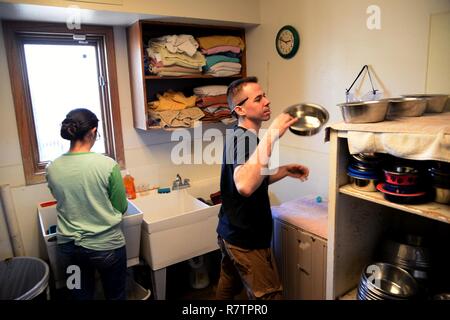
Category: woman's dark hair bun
<point>77,124</point>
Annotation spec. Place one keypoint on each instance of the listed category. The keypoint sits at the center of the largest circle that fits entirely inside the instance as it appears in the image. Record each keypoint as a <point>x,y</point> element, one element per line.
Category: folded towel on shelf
<point>211,90</point>
<point>221,49</point>
<point>207,101</point>
<point>171,100</point>
<point>182,43</point>
<point>177,119</point>
<point>212,60</point>
<point>215,41</point>
<point>161,54</point>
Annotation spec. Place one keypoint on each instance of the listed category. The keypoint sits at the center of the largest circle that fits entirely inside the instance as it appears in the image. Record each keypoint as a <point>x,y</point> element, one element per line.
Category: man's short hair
<point>235,87</point>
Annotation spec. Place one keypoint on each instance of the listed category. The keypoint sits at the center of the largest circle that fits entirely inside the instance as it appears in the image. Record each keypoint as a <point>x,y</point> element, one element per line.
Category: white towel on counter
<point>415,138</point>
<point>414,146</point>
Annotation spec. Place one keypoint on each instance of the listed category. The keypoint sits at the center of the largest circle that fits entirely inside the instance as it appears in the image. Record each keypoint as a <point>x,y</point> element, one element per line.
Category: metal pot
<point>311,118</point>
<point>364,112</point>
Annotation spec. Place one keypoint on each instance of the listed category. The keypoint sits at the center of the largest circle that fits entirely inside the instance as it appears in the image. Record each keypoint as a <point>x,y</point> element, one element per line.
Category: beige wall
<point>438,73</point>
<point>335,44</point>
<point>231,10</point>
<point>147,154</point>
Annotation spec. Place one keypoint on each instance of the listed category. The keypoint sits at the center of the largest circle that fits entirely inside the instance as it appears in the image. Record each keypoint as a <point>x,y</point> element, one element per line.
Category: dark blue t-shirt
<point>243,221</point>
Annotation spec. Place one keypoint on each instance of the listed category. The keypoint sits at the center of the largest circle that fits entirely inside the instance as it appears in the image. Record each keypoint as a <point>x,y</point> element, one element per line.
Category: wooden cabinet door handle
<point>302,270</point>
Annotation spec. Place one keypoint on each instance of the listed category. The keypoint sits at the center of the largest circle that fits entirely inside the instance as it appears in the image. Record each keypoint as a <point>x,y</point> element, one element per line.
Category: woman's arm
<point>116,190</point>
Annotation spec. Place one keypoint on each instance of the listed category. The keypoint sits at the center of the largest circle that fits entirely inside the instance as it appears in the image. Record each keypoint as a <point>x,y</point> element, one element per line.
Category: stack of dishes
<point>411,255</point>
<point>364,171</point>
<point>440,179</point>
<point>403,184</point>
<point>384,281</point>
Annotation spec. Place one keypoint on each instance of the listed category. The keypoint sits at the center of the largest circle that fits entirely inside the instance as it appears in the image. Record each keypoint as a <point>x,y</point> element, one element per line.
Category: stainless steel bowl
<point>364,184</point>
<point>364,112</point>
<point>406,107</point>
<point>311,118</point>
<point>435,102</point>
<point>442,195</point>
<point>406,255</point>
<point>389,281</point>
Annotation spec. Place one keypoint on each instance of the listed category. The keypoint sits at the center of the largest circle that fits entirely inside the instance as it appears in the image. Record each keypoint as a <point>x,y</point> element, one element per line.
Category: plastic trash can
<point>23,278</point>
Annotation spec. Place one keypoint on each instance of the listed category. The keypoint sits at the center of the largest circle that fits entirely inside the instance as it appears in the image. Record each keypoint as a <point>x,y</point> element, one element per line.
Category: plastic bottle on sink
<point>130,188</point>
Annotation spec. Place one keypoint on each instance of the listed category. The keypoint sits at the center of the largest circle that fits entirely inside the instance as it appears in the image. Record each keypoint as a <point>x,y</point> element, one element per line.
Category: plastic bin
<point>131,226</point>
<point>23,278</point>
<point>135,291</point>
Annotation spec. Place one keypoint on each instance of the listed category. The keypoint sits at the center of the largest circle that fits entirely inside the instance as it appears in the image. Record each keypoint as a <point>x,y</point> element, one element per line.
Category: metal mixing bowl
<point>435,102</point>
<point>311,118</point>
<point>365,111</point>
<point>390,281</point>
<point>406,107</point>
<point>364,184</point>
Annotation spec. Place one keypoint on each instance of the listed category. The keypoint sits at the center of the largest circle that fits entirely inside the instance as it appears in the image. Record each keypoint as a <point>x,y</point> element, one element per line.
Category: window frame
<point>15,33</point>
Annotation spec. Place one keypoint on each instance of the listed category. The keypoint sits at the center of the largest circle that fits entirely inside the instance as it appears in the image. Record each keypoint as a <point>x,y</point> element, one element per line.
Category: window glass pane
<point>61,78</point>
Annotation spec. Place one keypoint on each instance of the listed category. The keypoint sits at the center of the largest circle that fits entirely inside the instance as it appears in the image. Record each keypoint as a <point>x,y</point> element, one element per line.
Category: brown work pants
<point>255,269</point>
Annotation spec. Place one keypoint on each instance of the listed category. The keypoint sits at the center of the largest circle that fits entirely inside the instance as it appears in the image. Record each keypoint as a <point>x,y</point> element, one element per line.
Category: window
<point>53,71</point>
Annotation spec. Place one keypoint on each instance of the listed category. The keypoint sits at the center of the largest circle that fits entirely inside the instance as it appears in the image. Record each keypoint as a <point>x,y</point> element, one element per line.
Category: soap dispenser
<point>130,188</point>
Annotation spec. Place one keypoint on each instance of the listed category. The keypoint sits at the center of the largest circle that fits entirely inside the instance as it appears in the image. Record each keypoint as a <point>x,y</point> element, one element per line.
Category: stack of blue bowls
<point>364,171</point>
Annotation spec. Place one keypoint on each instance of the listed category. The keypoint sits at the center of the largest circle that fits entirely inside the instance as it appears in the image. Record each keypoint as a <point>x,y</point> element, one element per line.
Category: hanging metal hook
<point>374,91</point>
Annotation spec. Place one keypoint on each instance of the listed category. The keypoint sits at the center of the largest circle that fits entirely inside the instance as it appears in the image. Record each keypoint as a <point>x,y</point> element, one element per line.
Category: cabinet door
<point>284,248</point>
<point>304,266</point>
<point>311,266</point>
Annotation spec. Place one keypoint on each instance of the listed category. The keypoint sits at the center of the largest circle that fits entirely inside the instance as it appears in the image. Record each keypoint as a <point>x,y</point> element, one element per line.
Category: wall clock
<point>287,42</point>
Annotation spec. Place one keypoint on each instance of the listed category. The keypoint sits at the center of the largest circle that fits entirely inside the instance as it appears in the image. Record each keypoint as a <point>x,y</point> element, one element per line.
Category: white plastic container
<point>131,226</point>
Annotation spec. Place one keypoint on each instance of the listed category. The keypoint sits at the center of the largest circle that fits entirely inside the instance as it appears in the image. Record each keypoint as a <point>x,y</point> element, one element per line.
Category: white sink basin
<point>176,227</point>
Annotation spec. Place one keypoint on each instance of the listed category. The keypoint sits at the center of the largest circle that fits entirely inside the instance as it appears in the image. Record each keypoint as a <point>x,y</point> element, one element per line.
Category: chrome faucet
<point>179,183</point>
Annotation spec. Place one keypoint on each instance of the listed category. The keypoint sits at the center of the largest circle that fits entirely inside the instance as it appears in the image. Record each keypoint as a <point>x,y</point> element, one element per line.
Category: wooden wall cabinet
<point>145,87</point>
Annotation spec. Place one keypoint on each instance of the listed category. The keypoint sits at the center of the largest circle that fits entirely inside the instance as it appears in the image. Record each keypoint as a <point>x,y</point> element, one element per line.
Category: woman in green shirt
<point>91,200</point>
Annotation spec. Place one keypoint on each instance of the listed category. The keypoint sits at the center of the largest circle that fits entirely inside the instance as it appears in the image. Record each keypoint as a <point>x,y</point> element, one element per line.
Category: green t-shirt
<point>91,199</point>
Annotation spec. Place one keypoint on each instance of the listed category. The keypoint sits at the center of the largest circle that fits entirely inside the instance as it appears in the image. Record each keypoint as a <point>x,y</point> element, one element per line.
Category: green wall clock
<point>287,42</point>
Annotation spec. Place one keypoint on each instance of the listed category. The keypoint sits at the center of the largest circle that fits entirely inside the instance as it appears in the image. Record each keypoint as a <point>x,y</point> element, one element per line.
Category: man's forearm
<point>279,174</point>
<point>250,175</point>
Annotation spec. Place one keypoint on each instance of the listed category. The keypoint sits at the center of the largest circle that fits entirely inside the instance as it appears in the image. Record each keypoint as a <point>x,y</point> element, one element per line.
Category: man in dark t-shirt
<point>245,219</point>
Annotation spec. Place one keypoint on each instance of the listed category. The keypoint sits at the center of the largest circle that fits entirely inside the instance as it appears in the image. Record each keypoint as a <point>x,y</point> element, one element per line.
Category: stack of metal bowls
<point>403,183</point>
<point>410,254</point>
<point>364,171</point>
<point>384,281</point>
<point>440,179</point>
<point>406,107</point>
<point>435,102</point>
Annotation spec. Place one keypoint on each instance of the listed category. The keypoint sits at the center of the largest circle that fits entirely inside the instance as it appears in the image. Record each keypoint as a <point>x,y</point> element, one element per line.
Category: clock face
<point>287,42</point>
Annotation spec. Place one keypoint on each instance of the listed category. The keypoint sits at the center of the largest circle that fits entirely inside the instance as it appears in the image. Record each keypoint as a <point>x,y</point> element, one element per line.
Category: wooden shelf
<point>202,76</point>
<point>145,87</point>
<point>431,210</point>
